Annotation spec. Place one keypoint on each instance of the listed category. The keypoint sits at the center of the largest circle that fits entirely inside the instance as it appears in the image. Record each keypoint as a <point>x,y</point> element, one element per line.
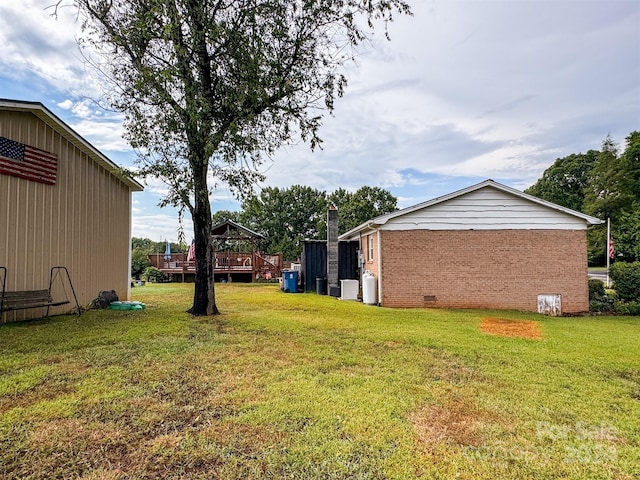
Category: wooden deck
<point>229,266</point>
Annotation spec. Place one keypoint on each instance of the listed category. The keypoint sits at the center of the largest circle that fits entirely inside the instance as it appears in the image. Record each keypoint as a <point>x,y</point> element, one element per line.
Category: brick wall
<point>505,269</point>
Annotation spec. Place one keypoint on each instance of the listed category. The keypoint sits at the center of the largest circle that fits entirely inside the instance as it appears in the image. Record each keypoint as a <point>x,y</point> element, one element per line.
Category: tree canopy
<point>208,88</point>
<point>604,183</point>
<point>609,191</point>
<point>364,204</point>
<point>223,215</point>
<point>285,216</point>
<point>566,181</point>
<point>288,216</point>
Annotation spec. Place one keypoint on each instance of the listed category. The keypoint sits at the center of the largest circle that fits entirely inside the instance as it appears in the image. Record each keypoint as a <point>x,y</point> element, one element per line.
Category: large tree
<point>302,214</point>
<point>631,157</point>
<point>362,205</point>
<point>603,183</point>
<point>286,217</point>
<point>208,87</point>
<point>224,215</point>
<point>565,182</point>
<point>626,227</point>
<point>610,187</point>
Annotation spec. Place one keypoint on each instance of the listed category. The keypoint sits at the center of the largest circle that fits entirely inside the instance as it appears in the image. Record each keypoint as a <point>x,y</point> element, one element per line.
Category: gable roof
<point>384,219</point>
<point>225,229</point>
<point>49,118</point>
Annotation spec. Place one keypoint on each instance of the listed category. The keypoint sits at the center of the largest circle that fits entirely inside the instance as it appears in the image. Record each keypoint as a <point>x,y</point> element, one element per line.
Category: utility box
<point>550,304</point>
<point>349,289</point>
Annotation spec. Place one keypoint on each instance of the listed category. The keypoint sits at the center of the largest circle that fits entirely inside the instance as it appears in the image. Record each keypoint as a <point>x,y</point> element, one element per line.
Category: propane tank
<point>369,288</point>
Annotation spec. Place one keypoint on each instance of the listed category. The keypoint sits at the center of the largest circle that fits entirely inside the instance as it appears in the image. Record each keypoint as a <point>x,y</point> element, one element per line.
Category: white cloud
<point>103,134</point>
<point>34,41</point>
<point>501,73</point>
<point>83,110</point>
<point>66,105</point>
<point>156,187</point>
<point>160,227</point>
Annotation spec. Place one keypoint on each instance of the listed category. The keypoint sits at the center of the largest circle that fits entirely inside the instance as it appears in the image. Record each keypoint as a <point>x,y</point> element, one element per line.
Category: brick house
<point>485,246</point>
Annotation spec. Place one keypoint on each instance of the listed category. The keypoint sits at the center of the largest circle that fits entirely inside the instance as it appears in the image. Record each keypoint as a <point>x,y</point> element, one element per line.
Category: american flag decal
<point>30,163</point>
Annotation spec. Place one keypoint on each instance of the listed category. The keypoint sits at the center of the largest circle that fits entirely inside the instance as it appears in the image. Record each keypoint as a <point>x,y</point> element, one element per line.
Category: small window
<point>370,241</point>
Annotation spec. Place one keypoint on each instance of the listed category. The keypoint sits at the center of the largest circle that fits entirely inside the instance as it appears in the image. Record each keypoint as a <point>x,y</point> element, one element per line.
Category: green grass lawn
<point>303,386</point>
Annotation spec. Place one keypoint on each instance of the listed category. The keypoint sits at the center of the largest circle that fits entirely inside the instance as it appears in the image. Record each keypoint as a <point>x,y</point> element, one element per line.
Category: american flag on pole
<point>30,163</point>
<point>610,247</point>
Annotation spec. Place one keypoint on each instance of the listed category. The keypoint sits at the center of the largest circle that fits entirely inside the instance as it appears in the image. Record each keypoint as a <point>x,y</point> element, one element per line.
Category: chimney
<point>332,252</point>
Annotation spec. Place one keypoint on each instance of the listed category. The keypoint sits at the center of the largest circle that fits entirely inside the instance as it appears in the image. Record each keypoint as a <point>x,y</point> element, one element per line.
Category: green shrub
<point>602,305</point>
<point>628,308</point>
<point>599,301</point>
<point>596,289</point>
<point>152,274</point>
<point>626,280</point>
<point>139,262</point>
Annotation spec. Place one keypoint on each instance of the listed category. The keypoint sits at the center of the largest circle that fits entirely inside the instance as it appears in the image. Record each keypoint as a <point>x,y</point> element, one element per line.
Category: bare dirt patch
<point>506,327</point>
<point>459,422</point>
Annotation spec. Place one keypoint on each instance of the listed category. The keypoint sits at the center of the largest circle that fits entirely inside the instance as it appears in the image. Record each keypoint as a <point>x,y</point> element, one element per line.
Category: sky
<point>464,91</point>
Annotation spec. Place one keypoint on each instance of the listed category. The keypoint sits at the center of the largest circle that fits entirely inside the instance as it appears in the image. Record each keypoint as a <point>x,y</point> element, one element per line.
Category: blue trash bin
<point>290,281</point>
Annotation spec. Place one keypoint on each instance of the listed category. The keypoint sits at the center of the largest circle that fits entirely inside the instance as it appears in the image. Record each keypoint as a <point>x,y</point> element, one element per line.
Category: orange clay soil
<point>511,328</point>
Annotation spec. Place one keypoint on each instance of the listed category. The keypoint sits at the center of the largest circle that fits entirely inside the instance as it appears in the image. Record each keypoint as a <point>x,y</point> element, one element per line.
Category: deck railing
<point>224,261</point>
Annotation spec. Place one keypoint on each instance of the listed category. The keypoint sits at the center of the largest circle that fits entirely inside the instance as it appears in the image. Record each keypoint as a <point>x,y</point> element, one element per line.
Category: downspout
<point>361,260</point>
<point>379,268</point>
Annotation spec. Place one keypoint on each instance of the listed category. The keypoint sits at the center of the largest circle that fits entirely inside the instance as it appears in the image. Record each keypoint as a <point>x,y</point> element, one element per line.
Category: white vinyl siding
<point>486,209</point>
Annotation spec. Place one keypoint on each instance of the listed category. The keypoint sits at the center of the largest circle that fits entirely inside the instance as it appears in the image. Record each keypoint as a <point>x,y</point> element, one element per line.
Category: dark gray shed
<point>314,262</point>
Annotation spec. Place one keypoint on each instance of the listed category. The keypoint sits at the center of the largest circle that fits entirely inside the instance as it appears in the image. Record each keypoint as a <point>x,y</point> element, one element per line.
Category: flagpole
<point>607,250</point>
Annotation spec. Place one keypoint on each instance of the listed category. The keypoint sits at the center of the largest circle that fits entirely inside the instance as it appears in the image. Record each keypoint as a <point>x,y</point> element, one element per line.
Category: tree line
<point>286,217</point>
<point>141,248</point>
<point>604,183</point>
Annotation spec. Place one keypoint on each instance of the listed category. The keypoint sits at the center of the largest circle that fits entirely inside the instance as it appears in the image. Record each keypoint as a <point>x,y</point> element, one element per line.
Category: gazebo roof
<point>230,230</point>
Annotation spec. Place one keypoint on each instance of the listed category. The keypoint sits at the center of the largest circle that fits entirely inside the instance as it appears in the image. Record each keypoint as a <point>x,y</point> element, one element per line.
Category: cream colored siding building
<point>486,246</point>
<point>82,221</point>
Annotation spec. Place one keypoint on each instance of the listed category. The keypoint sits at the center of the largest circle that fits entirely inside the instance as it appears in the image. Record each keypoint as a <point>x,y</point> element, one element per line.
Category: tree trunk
<point>204,299</point>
